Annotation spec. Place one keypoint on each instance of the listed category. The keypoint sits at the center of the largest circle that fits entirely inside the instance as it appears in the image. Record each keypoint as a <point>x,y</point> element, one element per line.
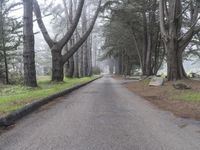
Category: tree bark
<point>57,67</point>
<point>28,51</point>
<point>174,42</point>
<point>71,68</point>
<point>85,44</point>
<point>89,61</point>
<point>145,43</point>
<point>5,62</point>
<point>4,44</point>
<point>175,69</point>
<point>174,55</point>
<point>76,65</point>
<point>70,63</point>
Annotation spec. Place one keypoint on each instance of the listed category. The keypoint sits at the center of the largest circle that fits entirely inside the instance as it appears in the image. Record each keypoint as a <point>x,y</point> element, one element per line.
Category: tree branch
<point>41,25</point>
<point>73,49</point>
<point>74,24</point>
<point>184,10</point>
<point>162,24</point>
<point>10,7</point>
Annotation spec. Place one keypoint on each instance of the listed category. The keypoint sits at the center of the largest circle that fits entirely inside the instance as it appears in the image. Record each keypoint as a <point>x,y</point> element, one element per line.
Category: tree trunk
<point>119,62</point>
<point>57,66</point>
<point>117,66</point>
<point>3,44</point>
<point>28,52</point>
<point>85,45</point>
<point>90,58</point>
<point>76,65</point>
<point>76,58</point>
<point>6,64</point>
<point>148,69</point>
<point>171,37</point>
<point>175,69</point>
<point>174,55</point>
<point>81,62</point>
<point>85,59</point>
<point>70,72</point>
<point>145,41</point>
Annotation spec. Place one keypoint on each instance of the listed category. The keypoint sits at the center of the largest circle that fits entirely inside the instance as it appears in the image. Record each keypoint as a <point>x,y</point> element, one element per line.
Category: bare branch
<point>184,10</point>
<point>74,24</point>
<point>41,24</point>
<point>73,49</point>
<point>10,7</point>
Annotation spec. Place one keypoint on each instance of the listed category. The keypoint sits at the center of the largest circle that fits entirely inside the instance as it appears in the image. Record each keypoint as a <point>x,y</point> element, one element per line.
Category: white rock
<point>156,81</point>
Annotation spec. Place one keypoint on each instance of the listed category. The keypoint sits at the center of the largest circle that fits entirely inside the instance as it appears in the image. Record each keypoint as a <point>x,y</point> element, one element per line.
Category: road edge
<point>11,118</point>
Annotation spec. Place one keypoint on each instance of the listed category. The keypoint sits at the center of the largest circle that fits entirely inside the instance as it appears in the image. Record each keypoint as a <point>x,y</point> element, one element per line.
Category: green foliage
<point>119,39</point>
<point>192,96</point>
<point>132,36</point>
<point>10,38</point>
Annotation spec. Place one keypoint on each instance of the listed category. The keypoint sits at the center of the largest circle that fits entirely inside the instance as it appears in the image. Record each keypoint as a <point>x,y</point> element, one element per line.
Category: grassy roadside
<point>190,96</point>
<point>13,97</point>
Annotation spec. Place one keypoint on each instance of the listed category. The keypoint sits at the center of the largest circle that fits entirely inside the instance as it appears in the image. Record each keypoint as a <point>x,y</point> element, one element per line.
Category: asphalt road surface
<point>101,116</point>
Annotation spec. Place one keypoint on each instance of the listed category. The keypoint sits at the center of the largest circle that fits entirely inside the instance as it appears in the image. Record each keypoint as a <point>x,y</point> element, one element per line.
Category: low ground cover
<point>183,103</point>
<point>13,97</point>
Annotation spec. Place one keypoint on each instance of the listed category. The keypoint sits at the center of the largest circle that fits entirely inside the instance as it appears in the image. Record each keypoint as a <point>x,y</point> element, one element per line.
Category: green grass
<point>191,96</point>
<point>13,97</point>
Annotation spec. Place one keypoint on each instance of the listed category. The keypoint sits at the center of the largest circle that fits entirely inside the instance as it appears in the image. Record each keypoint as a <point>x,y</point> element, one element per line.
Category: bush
<point>96,70</point>
<point>15,78</point>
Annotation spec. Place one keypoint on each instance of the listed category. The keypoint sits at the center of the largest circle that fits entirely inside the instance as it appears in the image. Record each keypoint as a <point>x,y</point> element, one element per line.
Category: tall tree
<point>137,35</point>
<point>84,49</point>
<point>28,51</point>
<point>69,13</point>
<point>58,60</point>
<point>172,16</point>
<point>9,37</point>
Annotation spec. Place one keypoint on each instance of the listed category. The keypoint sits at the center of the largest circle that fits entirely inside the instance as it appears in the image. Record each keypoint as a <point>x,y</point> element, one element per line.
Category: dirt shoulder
<point>170,99</point>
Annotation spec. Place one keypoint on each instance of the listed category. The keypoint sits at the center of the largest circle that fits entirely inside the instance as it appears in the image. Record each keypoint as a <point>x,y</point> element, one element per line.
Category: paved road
<point>101,116</point>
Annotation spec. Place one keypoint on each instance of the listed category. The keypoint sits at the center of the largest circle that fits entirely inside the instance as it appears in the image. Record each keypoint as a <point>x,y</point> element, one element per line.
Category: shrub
<point>96,70</point>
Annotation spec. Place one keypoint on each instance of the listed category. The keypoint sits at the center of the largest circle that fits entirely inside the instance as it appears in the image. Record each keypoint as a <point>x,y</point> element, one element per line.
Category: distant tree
<point>135,41</point>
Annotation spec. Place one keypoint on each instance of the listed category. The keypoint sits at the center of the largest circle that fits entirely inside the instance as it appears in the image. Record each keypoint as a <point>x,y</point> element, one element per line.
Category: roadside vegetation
<point>190,95</point>
<point>193,96</point>
<point>13,97</point>
<point>183,103</point>
<point>67,59</point>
